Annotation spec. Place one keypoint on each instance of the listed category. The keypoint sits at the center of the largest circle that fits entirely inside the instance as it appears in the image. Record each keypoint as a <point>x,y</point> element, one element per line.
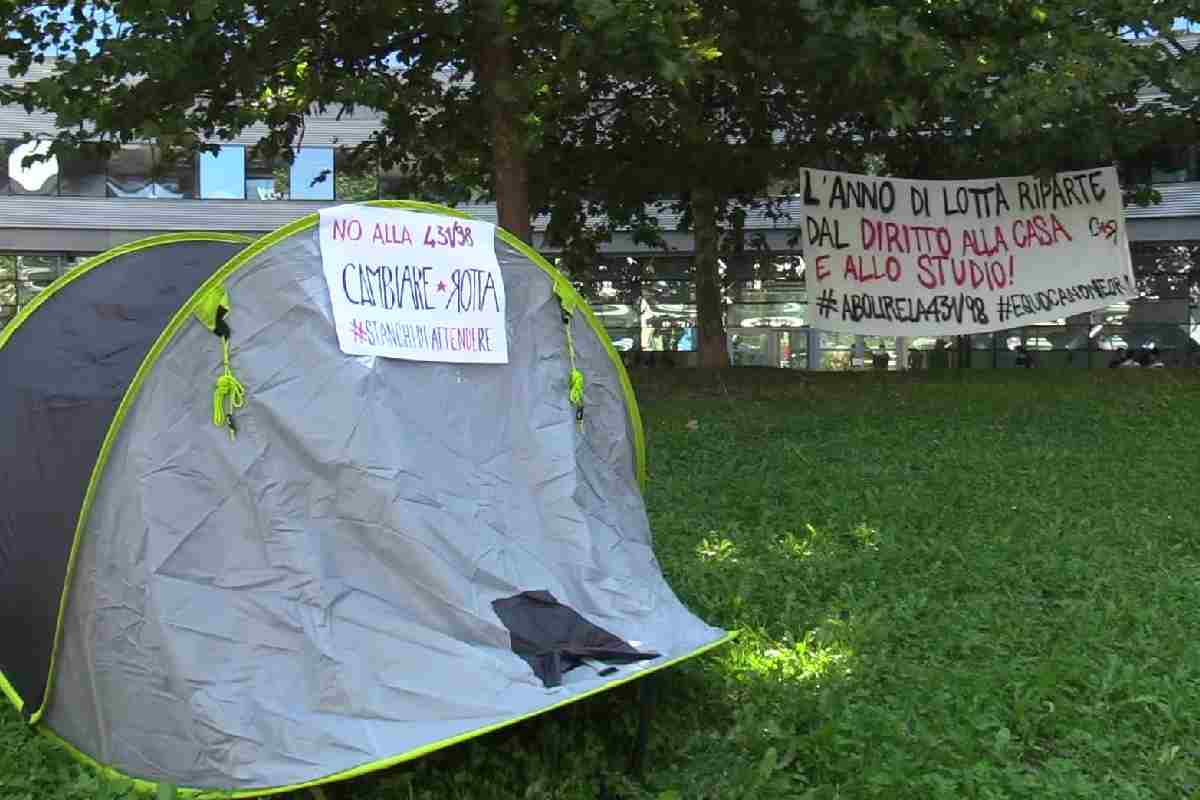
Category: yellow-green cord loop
<point>576,388</point>
<point>228,387</point>
<point>575,393</point>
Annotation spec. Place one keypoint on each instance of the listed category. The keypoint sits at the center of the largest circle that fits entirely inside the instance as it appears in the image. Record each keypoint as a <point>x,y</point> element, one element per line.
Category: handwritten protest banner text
<point>899,257</point>
<point>410,285</point>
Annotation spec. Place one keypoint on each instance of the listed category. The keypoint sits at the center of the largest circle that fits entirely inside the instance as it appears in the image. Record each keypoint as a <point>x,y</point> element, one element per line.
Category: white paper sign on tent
<point>411,285</point>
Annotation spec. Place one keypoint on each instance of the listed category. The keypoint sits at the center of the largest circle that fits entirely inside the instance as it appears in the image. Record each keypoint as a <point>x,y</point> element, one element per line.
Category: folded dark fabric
<point>555,639</point>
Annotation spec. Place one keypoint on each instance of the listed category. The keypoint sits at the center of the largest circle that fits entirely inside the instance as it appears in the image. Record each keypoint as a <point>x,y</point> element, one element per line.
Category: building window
<point>134,171</point>
<point>355,179</point>
<point>8,286</point>
<point>1174,164</point>
<point>396,185</point>
<point>312,174</point>
<point>83,173</point>
<point>266,179</point>
<point>36,178</point>
<point>174,176</point>
<point>223,174</point>
<point>24,275</point>
<point>308,177</point>
<point>1166,164</point>
<point>142,171</point>
<point>130,172</point>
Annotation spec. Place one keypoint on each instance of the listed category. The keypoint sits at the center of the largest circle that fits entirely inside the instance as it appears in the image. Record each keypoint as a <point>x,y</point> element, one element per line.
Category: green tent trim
<point>7,689</point>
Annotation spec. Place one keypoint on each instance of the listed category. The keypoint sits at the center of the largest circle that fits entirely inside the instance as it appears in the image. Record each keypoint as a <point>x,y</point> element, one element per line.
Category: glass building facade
<point>649,306</point>
<point>24,275</point>
<point>140,171</point>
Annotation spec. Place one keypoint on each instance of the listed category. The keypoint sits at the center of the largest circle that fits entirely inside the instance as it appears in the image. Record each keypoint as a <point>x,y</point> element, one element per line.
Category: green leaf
<point>202,10</point>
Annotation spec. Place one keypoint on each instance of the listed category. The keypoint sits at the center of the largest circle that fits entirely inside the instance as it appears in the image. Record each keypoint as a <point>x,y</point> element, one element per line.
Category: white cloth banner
<point>406,284</point>
<point>892,257</point>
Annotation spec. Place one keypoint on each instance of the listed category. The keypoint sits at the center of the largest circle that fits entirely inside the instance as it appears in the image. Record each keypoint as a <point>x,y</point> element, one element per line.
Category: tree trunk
<point>511,176</point>
<point>714,352</point>
<point>510,166</point>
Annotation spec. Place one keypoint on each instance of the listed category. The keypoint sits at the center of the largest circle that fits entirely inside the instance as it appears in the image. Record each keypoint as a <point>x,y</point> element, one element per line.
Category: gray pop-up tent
<point>291,565</point>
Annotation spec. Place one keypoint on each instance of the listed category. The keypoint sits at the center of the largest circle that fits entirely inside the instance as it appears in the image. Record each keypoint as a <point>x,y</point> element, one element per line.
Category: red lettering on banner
<point>349,229</point>
<point>822,267</point>
<point>1038,231</point>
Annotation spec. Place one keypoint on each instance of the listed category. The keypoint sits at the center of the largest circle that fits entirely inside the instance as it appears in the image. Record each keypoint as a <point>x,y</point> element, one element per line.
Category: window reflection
<point>39,177</point>
<point>615,315</point>
<point>624,339</point>
<point>8,283</point>
<point>83,174</point>
<point>142,171</point>
<point>312,176</point>
<point>34,274</point>
<point>355,179</point>
<point>396,185</point>
<point>223,174</point>
<point>793,349</point>
<point>129,172</point>
<point>767,315</point>
<point>668,316</point>
<point>24,275</point>
<point>175,176</point>
<point>266,179</point>
<point>670,271</point>
<point>749,350</point>
<point>1163,164</point>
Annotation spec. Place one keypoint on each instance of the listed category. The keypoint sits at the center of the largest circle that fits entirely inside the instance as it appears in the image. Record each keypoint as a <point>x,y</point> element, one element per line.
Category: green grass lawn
<point>973,585</point>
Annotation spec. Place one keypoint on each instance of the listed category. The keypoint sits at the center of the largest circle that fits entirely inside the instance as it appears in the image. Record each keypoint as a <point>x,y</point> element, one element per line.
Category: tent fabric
<point>66,362</point>
<point>314,598</point>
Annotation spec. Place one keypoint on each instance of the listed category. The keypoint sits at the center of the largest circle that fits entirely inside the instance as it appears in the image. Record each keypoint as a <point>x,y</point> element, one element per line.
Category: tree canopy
<point>600,109</point>
<point>463,86</point>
